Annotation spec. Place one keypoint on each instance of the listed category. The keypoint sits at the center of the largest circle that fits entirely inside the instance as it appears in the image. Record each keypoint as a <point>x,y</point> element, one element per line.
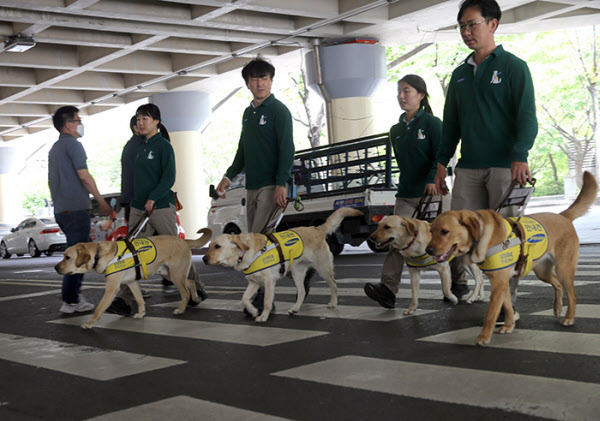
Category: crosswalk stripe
<point>372,313</point>
<point>585,311</point>
<point>220,332</point>
<point>78,360</point>
<point>185,408</point>
<point>34,294</point>
<point>538,396</point>
<point>529,340</point>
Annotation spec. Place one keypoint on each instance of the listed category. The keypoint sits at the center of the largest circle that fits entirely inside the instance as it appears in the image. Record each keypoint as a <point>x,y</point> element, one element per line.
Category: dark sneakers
<point>119,306</point>
<point>201,294</point>
<point>459,290</point>
<point>381,294</point>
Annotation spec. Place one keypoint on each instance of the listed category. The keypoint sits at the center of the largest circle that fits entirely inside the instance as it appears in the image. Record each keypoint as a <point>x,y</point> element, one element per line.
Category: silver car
<point>34,236</point>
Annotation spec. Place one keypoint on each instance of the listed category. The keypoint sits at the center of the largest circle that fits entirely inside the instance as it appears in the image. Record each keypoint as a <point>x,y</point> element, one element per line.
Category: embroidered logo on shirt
<point>151,155</point>
<point>420,135</point>
<point>496,79</point>
<point>262,120</point>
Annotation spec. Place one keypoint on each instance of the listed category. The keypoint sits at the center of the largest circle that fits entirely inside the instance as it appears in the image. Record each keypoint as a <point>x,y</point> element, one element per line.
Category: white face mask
<point>80,130</point>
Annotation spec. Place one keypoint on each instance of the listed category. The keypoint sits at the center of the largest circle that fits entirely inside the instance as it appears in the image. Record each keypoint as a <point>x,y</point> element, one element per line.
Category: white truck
<point>359,173</point>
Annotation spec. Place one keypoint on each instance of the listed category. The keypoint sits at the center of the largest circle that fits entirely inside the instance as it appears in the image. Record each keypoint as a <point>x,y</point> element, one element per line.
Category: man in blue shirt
<point>70,185</point>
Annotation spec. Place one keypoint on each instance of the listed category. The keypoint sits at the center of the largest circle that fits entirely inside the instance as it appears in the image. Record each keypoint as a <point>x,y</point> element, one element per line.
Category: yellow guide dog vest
<point>123,260</point>
<point>506,253</point>
<point>291,245</point>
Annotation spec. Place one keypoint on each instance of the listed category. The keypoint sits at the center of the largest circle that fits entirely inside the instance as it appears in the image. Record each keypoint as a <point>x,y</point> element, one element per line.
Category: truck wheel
<point>334,245</point>
<point>376,249</point>
<point>232,229</point>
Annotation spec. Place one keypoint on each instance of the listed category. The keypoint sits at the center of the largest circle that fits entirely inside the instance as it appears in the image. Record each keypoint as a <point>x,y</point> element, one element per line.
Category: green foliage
<point>35,201</point>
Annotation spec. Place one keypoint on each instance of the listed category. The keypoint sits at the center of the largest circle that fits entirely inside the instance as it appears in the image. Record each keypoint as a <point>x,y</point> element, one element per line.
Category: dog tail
<point>585,199</point>
<point>196,244</point>
<point>335,219</point>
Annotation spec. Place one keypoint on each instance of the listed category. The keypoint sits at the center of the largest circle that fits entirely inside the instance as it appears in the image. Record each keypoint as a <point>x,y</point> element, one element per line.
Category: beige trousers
<point>261,209</point>
<point>476,189</point>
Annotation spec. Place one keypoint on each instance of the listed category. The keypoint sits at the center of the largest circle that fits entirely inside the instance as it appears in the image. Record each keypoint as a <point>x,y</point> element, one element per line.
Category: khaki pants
<point>391,272</point>
<point>476,189</point>
<point>161,222</point>
<point>261,209</point>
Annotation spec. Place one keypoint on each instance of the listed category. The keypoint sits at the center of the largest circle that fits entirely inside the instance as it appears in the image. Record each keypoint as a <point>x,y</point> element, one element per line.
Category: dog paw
<point>332,305</point>
<point>506,329</point>
<point>482,340</point>
<point>567,322</point>
<point>452,299</point>
<point>410,311</point>
<point>557,312</point>
<point>87,325</point>
<point>139,315</point>
<point>292,311</point>
<point>177,311</point>
<point>261,319</point>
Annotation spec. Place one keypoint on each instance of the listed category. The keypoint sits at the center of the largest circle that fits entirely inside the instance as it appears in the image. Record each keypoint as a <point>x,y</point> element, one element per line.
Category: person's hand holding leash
<point>520,171</point>
<point>280,196</point>
<point>149,206</point>
<point>431,188</point>
<point>440,180</point>
<point>223,185</point>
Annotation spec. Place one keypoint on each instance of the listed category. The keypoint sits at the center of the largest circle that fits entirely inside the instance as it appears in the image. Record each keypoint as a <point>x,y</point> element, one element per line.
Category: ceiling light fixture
<point>18,43</point>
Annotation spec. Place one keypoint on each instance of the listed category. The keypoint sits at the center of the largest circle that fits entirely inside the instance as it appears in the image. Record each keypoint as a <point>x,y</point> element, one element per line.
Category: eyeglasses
<point>468,26</point>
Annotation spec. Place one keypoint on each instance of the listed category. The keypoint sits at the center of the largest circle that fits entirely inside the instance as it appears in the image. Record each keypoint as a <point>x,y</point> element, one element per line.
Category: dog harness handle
<point>279,251</point>
<point>136,259</point>
<point>519,231</point>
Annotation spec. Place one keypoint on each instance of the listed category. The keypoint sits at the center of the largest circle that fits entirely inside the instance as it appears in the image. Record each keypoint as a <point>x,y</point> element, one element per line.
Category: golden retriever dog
<point>172,259</point>
<point>411,236</point>
<point>241,251</point>
<point>473,234</point>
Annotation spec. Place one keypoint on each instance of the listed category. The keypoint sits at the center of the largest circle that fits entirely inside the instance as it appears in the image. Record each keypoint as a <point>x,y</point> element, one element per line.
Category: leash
<point>274,240</point>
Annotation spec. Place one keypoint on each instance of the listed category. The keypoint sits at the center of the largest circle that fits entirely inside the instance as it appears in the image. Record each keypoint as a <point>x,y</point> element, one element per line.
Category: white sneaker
<point>82,306</point>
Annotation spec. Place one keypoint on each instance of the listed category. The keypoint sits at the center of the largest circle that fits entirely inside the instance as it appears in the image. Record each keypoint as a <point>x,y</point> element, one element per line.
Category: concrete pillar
<point>350,74</point>
<point>10,193</point>
<point>183,114</point>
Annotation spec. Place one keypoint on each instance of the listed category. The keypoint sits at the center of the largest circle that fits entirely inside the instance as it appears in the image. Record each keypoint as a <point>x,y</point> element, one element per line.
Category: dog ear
<point>410,226</point>
<point>83,256</point>
<point>237,240</point>
<point>471,222</point>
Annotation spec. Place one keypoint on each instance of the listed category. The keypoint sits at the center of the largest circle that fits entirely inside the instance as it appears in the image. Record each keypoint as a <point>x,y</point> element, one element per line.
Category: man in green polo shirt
<point>265,152</point>
<point>490,107</point>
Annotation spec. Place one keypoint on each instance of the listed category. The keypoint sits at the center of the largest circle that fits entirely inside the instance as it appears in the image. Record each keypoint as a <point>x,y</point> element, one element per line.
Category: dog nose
<point>429,250</point>
<point>56,268</point>
<point>205,259</point>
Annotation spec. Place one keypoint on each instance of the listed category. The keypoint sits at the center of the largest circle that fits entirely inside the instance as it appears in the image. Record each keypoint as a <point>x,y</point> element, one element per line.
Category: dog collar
<point>412,241</point>
<point>96,257</point>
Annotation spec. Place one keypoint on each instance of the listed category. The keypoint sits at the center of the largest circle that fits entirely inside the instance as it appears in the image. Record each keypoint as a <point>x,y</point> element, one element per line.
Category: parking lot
<point>358,361</point>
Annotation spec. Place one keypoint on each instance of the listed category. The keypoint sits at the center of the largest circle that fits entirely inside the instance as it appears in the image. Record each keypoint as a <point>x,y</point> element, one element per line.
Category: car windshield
<point>47,221</point>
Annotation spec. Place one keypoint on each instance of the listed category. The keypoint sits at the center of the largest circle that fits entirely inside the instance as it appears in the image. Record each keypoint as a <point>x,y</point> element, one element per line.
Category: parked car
<point>34,236</point>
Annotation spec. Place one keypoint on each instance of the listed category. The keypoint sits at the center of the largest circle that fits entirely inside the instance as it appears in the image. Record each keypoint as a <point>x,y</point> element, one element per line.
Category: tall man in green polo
<point>265,151</point>
<point>490,107</point>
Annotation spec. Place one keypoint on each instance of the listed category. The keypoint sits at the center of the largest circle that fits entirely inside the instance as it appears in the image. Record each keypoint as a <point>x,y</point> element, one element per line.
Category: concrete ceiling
<point>100,54</point>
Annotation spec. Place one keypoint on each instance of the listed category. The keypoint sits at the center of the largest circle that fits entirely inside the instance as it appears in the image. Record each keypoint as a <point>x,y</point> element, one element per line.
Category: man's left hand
<point>149,206</point>
<point>520,171</point>
<point>281,196</point>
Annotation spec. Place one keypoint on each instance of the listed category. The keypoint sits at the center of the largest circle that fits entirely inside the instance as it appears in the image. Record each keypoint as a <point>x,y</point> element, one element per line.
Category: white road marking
<point>585,311</point>
<point>78,360</point>
<point>538,396</point>
<point>185,408</point>
<point>372,313</point>
<point>562,341</point>
<point>238,334</point>
<point>34,294</point>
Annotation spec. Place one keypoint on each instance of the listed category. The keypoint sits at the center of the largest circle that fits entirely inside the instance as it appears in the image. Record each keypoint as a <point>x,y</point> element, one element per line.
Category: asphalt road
<point>356,362</point>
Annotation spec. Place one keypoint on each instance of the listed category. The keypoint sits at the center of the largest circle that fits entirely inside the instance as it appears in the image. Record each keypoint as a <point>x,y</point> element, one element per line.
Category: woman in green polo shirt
<point>415,140</point>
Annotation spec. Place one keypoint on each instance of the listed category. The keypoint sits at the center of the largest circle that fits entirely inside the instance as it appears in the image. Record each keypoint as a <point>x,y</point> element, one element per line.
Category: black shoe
<point>459,290</point>
<point>119,306</point>
<point>201,294</point>
<point>259,302</point>
<point>502,316</point>
<point>381,294</point>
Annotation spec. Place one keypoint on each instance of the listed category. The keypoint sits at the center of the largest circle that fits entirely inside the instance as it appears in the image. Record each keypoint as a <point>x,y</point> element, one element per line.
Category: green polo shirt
<point>415,146</point>
<point>266,148</point>
<point>154,173</point>
<point>491,111</point>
